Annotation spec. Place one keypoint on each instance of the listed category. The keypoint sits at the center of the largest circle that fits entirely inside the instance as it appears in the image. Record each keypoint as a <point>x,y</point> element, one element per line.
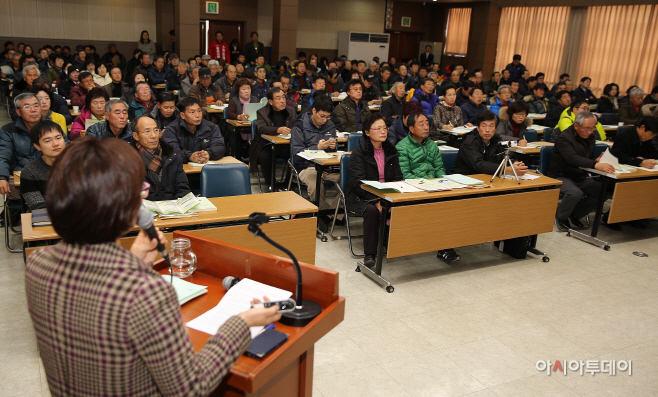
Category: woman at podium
<point>106,322</point>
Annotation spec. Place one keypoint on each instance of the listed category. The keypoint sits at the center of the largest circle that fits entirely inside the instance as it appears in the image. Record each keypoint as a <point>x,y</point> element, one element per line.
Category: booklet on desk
<point>464,180</point>
<point>393,187</point>
<point>610,158</point>
<point>427,185</point>
<point>315,154</point>
<point>40,218</point>
<point>188,203</point>
<point>185,291</point>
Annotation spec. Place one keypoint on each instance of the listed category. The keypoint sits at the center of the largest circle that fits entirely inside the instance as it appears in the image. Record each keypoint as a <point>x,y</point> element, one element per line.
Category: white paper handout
<point>237,300</point>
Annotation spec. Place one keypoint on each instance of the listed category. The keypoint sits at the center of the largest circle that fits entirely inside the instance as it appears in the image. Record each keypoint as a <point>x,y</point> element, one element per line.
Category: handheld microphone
<point>145,222</point>
<point>229,282</point>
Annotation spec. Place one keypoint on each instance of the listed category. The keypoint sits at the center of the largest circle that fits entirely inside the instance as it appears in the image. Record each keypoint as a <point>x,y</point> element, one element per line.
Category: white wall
<point>113,20</point>
<point>319,22</point>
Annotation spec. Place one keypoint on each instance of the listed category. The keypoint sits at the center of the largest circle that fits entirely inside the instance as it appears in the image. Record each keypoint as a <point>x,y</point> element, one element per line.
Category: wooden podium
<point>288,371</point>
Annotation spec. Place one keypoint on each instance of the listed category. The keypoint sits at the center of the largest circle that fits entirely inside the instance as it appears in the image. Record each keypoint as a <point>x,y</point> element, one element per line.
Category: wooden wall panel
<point>144,18</point>
<point>123,25</point>
<point>24,18</point>
<point>5,19</point>
<point>75,20</point>
<point>49,15</point>
<point>265,17</point>
<point>99,17</point>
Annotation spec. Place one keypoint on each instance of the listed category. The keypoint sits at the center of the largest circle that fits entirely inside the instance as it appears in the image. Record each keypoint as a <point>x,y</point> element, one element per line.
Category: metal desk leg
<point>273,173</point>
<point>319,169</point>
<point>591,239</point>
<point>7,228</point>
<point>376,275</point>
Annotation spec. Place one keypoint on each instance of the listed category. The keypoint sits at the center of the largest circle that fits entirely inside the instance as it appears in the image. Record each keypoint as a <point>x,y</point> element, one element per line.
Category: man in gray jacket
<point>314,131</point>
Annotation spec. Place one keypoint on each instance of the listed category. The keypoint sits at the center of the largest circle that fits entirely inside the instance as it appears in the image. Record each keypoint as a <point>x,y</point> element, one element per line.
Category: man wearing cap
<point>158,73</point>
<point>219,49</point>
<point>172,63</point>
<point>114,57</point>
<point>64,88</point>
<point>204,61</point>
<point>371,92</point>
<point>205,92</point>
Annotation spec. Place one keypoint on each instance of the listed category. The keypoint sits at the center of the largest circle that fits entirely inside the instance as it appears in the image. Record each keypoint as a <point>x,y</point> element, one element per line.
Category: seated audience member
<point>555,89</point>
<point>463,93</point>
<point>57,104</point>
<point>530,86</point>
<point>503,99</point>
<point>583,91</point>
<point>190,81</point>
<point>420,158</point>
<point>651,99</point>
<point>48,139</point>
<point>143,102</point>
<point>114,58</point>
<point>417,80</point>
<point>216,71</point>
<point>474,106</point>
<point>301,80</point>
<point>102,77</point>
<point>16,149</point>
<point>205,92</point>
<point>629,113</point>
<point>385,82</point>
<point>514,88</point>
<point>512,123</point>
<point>93,110</point>
<point>393,105</point>
<point>425,95</point>
<point>319,84</point>
<point>90,66</point>
<point>165,111</point>
<point>552,102</point>
<point>447,115</point>
<point>569,86</point>
<point>45,98</point>
<point>399,130</point>
<point>144,64</point>
<point>116,123</point>
<point>540,80</point>
<point>505,78</point>
<point>516,68</point>
<point>371,93</point>
<point>636,147</point>
<point>374,159</point>
<point>315,131</point>
<point>79,92</point>
<point>334,82</point>
<point>237,105</point>
<point>164,164</point>
<point>56,73</point>
<point>129,91</point>
<point>479,153</point>
<point>563,101</point>
<point>573,149</point>
<point>454,80</point>
<point>261,86</point>
<point>133,62</point>
<point>117,87</point>
<point>172,63</point>
<point>292,97</point>
<point>568,117</point>
<point>351,111</point>
<point>272,119</point>
<point>608,102</point>
<point>491,86</point>
<point>537,102</point>
<point>198,139</point>
<point>403,75</point>
<point>30,73</point>
<point>176,76</point>
<point>157,74</point>
<point>227,81</point>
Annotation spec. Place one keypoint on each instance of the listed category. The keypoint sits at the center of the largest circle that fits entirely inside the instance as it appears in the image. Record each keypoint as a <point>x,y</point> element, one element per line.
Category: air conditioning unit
<point>363,46</point>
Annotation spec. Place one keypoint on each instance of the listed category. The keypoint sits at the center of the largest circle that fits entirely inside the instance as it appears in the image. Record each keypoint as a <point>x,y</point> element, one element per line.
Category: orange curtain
<point>536,33</point>
<point>618,45</point>
<point>457,28</point>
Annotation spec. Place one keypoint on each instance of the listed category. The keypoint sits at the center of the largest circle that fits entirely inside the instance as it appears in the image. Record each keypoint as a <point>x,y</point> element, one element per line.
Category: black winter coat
<point>570,153</point>
<point>206,137</point>
<point>265,126</point>
<point>363,167</point>
<point>628,147</point>
<point>173,181</point>
<point>475,157</point>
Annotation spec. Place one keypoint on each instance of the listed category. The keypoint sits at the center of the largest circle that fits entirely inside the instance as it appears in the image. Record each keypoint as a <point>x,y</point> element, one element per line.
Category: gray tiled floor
<point>473,328</point>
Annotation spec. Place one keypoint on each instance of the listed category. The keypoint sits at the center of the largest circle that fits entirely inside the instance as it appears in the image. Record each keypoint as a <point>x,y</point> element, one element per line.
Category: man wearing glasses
<point>569,116</point>
<point>16,149</point>
<point>164,164</point>
<point>143,102</point>
<point>115,124</point>
<point>573,149</point>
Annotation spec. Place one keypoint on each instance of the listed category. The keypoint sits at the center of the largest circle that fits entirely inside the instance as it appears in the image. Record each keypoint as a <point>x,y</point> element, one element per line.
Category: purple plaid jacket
<point>108,325</point>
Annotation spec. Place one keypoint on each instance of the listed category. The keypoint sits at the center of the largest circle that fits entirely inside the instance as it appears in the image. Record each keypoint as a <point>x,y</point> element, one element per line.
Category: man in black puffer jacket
<point>164,164</point>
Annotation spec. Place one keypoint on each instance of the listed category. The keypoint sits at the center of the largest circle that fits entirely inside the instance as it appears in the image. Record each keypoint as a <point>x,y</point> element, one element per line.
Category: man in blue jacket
<point>425,95</point>
<point>516,68</point>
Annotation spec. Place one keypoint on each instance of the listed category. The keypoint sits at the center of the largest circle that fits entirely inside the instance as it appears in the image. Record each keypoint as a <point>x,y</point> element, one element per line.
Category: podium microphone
<point>306,310</point>
<point>145,222</point>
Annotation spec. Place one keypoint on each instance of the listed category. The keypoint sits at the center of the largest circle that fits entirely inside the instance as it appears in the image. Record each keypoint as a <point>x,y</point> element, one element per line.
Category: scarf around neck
<point>152,161</point>
<point>244,103</point>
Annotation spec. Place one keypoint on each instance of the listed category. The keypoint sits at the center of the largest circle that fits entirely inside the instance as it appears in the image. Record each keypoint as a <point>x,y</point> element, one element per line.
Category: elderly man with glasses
<point>115,124</point>
<point>573,151</point>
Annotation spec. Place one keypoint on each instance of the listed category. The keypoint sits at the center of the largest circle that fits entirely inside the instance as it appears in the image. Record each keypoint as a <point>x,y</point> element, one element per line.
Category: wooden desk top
<point>228,209</point>
<point>335,160</point>
<point>224,160</point>
<point>75,114</point>
<point>17,178</point>
<point>275,139</point>
<point>212,110</point>
<point>630,175</point>
<point>160,86</point>
<point>610,128</point>
<point>498,185</point>
<point>525,150</point>
<point>236,123</point>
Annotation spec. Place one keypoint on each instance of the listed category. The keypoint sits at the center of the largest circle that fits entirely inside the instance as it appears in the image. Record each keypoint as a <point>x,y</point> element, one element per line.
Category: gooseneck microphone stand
<point>306,310</point>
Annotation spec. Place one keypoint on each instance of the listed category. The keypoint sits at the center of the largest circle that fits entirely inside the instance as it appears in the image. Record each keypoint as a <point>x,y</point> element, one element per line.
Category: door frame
<point>205,25</point>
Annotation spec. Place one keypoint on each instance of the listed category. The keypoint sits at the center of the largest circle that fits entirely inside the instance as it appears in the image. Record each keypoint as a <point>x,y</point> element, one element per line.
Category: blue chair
<point>545,159</point>
<point>223,180</point>
<point>609,118</point>
<point>342,187</point>
<point>547,134</point>
<point>531,135</point>
<point>449,157</point>
<point>353,141</point>
<point>600,148</point>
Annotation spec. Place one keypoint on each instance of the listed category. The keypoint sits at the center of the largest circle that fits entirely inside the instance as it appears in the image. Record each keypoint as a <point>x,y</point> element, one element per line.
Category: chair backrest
<point>344,171</point>
<point>225,113</point>
<point>545,158</point>
<point>547,134</point>
<point>449,157</point>
<point>600,148</point>
<point>531,135</point>
<point>253,129</point>
<point>353,141</point>
<point>222,180</point>
<point>609,118</point>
